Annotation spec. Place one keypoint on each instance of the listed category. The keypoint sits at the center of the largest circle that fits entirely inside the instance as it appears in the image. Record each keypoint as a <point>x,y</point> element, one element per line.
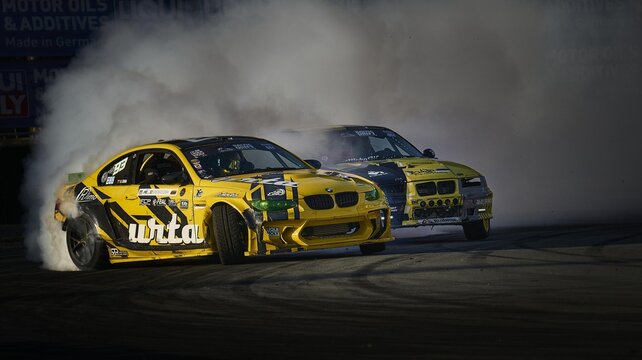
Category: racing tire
<point>477,230</point>
<point>229,229</point>
<point>367,249</point>
<point>86,248</point>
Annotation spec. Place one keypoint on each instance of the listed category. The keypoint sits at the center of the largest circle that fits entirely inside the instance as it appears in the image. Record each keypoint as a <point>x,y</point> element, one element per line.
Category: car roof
<point>352,127</point>
<point>209,140</point>
<point>338,128</point>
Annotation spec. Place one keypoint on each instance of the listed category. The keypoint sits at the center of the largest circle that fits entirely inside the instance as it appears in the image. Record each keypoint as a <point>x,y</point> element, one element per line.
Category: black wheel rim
<point>81,242</point>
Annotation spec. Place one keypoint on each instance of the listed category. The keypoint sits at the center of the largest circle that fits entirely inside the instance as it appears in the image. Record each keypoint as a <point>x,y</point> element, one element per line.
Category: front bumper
<point>455,209</point>
<point>322,233</point>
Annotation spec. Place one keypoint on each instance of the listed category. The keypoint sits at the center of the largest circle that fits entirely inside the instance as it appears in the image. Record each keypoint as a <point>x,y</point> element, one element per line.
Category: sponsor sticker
<point>243,146</point>
<point>224,149</point>
<point>199,193</point>
<point>113,252</point>
<point>227,194</point>
<point>428,171</point>
<point>365,132</point>
<point>277,192</point>
<point>176,234</point>
<point>449,220</point>
<point>110,180</point>
<point>272,231</point>
<point>267,181</point>
<point>184,204</point>
<point>367,158</point>
<point>335,174</point>
<point>376,173</point>
<point>157,192</point>
<point>159,202</point>
<point>119,166</point>
<point>197,153</point>
<point>196,163</point>
<point>85,195</point>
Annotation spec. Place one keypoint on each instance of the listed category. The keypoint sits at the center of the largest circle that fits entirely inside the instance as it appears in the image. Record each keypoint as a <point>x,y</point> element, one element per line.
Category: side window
<point>119,172</point>
<point>152,166</point>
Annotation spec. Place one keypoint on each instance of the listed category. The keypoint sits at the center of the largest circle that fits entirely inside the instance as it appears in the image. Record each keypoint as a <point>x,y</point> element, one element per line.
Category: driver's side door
<point>164,195</point>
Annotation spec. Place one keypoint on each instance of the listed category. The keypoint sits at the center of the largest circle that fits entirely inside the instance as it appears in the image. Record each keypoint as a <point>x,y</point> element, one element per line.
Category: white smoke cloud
<point>480,82</point>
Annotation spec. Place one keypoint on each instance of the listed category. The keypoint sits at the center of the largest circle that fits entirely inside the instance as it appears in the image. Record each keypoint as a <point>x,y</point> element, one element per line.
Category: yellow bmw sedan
<point>231,196</point>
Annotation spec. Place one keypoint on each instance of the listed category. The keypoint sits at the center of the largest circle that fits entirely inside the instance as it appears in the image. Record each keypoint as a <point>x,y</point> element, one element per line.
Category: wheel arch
<point>245,211</point>
<point>242,208</point>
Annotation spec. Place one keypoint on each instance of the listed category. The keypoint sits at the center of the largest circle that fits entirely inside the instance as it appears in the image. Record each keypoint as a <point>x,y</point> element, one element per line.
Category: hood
<point>412,169</point>
<point>306,181</point>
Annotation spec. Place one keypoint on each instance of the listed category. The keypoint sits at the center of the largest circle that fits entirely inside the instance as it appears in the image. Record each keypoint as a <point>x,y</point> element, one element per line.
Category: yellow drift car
<point>234,196</point>
<point>421,190</point>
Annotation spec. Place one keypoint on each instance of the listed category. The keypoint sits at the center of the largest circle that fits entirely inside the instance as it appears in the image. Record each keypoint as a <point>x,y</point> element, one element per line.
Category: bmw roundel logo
<point>329,190</point>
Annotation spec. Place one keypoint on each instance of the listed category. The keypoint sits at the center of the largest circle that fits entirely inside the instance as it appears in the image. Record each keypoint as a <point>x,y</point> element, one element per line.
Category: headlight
<point>474,181</point>
<point>273,205</point>
<point>372,195</point>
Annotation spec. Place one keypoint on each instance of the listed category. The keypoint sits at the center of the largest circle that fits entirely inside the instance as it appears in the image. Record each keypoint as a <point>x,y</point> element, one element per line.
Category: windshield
<point>241,157</point>
<point>359,144</point>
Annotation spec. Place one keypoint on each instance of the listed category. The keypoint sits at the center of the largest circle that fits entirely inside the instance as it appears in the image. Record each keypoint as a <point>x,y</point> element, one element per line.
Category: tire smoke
<point>547,110</point>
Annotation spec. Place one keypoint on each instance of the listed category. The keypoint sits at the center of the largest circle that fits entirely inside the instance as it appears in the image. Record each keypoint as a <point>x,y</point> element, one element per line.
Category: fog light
<point>422,204</point>
<point>455,201</point>
<point>439,202</point>
<point>447,201</point>
<point>273,205</point>
<point>431,203</point>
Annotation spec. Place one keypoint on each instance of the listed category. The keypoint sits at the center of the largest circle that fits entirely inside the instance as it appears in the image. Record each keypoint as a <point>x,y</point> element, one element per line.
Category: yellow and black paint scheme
<point>421,190</point>
<point>140,220</point>
<point>430,192</point>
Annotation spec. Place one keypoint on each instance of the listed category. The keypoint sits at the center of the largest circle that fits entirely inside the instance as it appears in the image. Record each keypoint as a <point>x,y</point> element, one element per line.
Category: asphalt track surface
<point>525,293</point>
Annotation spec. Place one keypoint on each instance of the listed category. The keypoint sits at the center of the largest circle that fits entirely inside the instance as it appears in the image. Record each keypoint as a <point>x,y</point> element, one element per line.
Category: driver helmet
<point>229,162</point>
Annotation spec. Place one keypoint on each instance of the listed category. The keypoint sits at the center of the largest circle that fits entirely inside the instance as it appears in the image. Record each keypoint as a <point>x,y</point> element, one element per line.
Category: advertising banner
<point>21,86</point>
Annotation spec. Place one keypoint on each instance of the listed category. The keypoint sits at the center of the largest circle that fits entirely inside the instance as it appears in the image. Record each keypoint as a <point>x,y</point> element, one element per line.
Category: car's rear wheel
<point>231,233</point>
<point>477,230</point>
<point>367,249</point>
<point>86,248</point>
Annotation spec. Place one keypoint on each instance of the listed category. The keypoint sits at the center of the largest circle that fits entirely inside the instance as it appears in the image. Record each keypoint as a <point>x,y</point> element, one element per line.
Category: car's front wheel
<point>477,230</point>
<point>229,230</point>
<point>87,250</point>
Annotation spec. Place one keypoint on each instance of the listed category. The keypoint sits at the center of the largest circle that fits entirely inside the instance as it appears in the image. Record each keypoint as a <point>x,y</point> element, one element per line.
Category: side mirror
<point>429,153</point>
<point>173,178</point>
<point>315,163</point>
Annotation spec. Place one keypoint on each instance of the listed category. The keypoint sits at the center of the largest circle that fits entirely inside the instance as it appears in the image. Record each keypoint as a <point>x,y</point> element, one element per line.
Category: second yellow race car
<point>234,196</point>
<point>421,189</point>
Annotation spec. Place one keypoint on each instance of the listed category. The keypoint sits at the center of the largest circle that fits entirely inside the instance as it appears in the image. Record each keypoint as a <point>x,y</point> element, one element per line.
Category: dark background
<point>38,40</point>
<point>587,51</point>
